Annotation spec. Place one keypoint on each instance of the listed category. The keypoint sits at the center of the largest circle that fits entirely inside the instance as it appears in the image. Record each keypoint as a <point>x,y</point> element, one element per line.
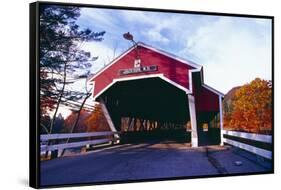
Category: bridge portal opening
<point>149,109</point>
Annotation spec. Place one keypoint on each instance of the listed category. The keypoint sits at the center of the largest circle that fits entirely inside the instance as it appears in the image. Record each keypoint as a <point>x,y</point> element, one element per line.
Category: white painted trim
<point>194,141</point>
<point>93,87</point>
<point>190,63</point>
<point>192,113</point>
<point>202,82</point>
<point>108,118</point>
<point>187,91</point>
<point>190,78</point>
<point>261,152</point>
<point>91,82</point>
<point>213,90</point>
<point>138,77</point>
<point>112,62</point>
<point>221,120</point>
<point>197,68</point>
<point>161,75</point>
<point>251,136</point>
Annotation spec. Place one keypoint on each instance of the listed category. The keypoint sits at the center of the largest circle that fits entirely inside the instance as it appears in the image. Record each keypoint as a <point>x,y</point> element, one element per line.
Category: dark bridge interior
<point>148,109</point>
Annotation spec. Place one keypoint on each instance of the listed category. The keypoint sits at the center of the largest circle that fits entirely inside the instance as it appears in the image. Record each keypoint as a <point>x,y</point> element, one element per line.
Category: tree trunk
<point>54,154</point>
<point>77,119</point>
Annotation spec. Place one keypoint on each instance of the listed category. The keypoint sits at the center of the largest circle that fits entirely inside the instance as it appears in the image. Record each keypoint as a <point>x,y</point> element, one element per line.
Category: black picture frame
<point>34,90</point>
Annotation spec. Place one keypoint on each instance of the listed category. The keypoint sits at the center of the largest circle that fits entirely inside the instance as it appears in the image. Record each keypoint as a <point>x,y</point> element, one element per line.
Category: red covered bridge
<point>149,91</point>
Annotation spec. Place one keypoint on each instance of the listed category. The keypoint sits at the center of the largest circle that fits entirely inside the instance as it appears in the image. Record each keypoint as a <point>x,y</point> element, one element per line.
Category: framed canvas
<point>126,94</point>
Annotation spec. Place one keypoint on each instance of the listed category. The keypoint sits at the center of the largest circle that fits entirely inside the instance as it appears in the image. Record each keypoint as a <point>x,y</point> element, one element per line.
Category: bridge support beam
<point>192,113</point>
<point>108,119</point>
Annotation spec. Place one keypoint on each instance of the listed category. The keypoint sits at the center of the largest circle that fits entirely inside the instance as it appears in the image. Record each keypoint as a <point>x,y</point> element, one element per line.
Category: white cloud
<point>231,52</point>
<point>153,24</point>
<point>136,16</point>
<point>97,17</point>
<point>156,36</point>
<point>105,53</point>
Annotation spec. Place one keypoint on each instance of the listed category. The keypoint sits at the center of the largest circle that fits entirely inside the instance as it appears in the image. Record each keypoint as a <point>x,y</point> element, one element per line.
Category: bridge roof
<point>141,44</point>
<point>155,63</point>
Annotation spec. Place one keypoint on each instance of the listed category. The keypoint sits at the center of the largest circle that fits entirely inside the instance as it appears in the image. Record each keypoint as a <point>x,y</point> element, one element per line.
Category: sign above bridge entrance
<point>138,70</point>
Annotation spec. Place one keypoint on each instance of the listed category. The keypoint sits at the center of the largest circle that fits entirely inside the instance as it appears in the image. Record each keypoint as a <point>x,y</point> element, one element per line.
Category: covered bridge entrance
<point>149,94</point>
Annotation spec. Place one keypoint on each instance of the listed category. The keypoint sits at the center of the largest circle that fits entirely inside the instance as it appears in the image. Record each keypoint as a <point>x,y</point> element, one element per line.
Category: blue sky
<point>232,50</point>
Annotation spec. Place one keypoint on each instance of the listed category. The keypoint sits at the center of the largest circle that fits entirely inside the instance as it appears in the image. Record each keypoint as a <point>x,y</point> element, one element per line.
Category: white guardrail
<point>109,137</point>
<point>249,136</point>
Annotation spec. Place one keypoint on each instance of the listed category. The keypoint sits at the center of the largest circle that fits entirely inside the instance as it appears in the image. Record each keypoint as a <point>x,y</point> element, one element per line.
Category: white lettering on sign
<point>138,70</point>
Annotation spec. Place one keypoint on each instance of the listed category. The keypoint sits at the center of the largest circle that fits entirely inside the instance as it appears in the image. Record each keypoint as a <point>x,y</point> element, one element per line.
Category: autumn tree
<point>61,58</point>
<point>81,126</point>
<point>97,121</point>
<point>251,107</point>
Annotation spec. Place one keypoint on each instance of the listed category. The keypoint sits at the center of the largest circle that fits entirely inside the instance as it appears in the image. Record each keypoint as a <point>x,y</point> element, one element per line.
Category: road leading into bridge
<point>144,161</point>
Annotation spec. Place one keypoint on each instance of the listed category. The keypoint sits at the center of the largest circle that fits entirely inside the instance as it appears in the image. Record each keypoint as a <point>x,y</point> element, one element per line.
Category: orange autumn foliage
<point>81,126</point>
<point>88,121</point>
<point>96,121</point>
<point>251,108</point>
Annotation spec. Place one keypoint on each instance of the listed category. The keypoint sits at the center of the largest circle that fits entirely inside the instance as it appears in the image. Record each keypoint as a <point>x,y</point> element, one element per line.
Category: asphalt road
<point>144,161</point>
